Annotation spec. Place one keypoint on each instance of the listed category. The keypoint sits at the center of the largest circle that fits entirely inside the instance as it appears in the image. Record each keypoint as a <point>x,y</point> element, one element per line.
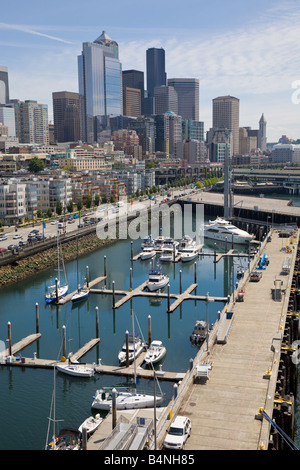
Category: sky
<point>250,50</point>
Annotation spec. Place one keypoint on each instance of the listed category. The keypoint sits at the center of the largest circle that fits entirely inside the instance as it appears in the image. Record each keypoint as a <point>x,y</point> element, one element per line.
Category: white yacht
<point>135,348</point>
<point>125,400</point>
<point>157,280</point>
<point>159,242</point>
<point>168,253</point>
<point>155,352</point>
<point>186,243</point>
<point>148,253</point>
<point>223,230</point>
<point>189,254</point>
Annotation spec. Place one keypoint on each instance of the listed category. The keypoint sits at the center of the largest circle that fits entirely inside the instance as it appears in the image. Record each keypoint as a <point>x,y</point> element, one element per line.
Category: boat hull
<point>127,401</point>
<point>75,370</point>
<point>153,286</point>
<point>240,240</point>
<point>79,296</point>
<point>62,292</point>
<point>149,255</point>
<point>185,258</point>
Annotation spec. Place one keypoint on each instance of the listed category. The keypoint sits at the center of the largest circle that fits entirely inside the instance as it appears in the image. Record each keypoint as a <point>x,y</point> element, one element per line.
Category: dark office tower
<point>156,74</point>
<point>165,99</point>
<point>187,90</point>
<point>66,116</point>
<point>133,79</point>
<point>4,90</point>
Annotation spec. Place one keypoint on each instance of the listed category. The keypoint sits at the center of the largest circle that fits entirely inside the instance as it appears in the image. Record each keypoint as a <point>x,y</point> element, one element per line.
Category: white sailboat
<point>135,348</point>
<point>76,370</point>
<point>82,292</point>
<point>58,290</point>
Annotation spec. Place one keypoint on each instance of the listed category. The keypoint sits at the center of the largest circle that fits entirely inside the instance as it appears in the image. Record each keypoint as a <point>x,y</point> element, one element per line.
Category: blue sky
<point>250,50</point>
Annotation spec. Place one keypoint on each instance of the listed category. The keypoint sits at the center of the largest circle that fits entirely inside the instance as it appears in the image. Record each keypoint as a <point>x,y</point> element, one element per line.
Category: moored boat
<point>201,329</point>
<point>91,424</point>
<point>189,254</point>
<point>157,280</point>
<point>135,348</point>
<point>223,230</point>
<point>155,353</point>
<point>125,399</point>
<point>148,253</point>
<point>81,294</point>
<point>76,370</point>
<point>168,254</point>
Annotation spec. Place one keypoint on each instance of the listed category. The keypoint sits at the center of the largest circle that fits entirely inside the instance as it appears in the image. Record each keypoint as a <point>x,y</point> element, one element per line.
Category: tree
<point>79,205</point>
<point>70,206</point>
<point>104,199</point>
<point>49,212</point>
<point>59,207</point>
<point>36,164</point>
<point>112,199</point>
<point>88,201</point>
<point>97,200</point>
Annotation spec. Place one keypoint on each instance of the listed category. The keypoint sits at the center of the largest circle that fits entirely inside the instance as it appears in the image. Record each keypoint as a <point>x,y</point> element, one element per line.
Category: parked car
<point>15,237</point>
<point>3,237</point>
<point>12,247</point>
<point>178,433</point>
<point>2,250</point>
<point>54,222</point>
<point>22,243</point>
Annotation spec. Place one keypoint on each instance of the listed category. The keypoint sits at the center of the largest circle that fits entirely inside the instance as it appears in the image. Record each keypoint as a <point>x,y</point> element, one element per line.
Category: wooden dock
<point>140,292</point>
<point>16,348</point>
<point>244,367</point>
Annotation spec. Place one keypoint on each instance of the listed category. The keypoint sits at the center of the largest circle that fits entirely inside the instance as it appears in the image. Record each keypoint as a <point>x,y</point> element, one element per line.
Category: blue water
<point>26,394</point>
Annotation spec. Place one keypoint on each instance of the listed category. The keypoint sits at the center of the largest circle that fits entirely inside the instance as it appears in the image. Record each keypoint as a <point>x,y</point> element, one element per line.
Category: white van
<point>60,225</point>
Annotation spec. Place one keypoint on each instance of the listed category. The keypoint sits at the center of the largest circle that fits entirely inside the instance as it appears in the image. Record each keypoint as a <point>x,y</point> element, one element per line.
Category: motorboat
<point>223,230</point>
<point>125,399</point>
<point>148,242</point>
<point>159,242</point>
<point>200,331</point>
<point>76,369</point>
<point>155,352</point>
<point>91,424</point>
<point>157,280</point>
<point>148,253</point>
<point>188,254</point>
<point>135,348</point>
<point>168,253</point>
<point>186,243</point>
<point>170,243</point>
<point>81,294</point>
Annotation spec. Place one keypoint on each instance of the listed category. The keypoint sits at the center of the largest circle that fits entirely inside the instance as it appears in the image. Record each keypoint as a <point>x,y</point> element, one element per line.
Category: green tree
<point>70,206</point>
<point>104,199</point>
<point>79,205</point>
<point>59,207</point>
<point>39,214</point>
<point>49,212</point>
<point>112,199</point>
<point>88,201</point>
<point>35,165</point>
<point>97,200</point>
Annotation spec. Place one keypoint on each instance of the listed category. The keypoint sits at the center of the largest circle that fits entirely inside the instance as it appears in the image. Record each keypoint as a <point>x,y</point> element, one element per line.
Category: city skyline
<point>248,51</point>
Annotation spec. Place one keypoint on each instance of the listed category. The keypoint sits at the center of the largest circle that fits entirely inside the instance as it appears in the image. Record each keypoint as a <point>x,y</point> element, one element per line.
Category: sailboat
<point>58,290</point>
<point>126,399</point>
<point>82,292</point>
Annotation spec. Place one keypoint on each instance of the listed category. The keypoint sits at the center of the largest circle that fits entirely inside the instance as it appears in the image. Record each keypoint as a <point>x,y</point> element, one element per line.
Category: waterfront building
<point>187,90</point>
<point>283,153</point>
<point>226,116</point>
<point>190,151</point>
<point>32,122</point>
<point>165,99</point>
<point>59,189</point>
<point>66,116</point>
<point>82,163</point>
<point>12,202</point>
<point>4,88</point>
<point>100,86</point>
<point>156,74</point>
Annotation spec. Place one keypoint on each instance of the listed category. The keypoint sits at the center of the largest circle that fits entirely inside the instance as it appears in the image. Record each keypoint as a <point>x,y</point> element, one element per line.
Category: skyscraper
<point>226,112</point>
<point>165,99</point>
<point>262,134</point>
<point>156,74</point>
<point>133,79</point>
<point>66,116</point>
<point>187,90</point>
<point>100,86</point>
<point>4,89</point>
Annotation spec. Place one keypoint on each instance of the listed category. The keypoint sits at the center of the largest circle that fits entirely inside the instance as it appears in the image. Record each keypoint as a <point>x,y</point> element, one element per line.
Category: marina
<point>215,284</point>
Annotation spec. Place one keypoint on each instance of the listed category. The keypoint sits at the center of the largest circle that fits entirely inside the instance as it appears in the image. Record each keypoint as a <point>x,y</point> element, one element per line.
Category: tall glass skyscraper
<point>4,90</point>
<point>100,86</point>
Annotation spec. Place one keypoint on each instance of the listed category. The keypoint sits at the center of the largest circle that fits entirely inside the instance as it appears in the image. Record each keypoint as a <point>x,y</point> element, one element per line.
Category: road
<point>107,212</point>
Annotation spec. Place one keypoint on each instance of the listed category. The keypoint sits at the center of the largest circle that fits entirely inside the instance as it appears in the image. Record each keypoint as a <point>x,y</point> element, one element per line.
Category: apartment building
<point>13,202</point>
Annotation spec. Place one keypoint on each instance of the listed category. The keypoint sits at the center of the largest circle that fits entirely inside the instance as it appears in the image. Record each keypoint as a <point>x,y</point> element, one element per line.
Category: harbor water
<point>26,393</point>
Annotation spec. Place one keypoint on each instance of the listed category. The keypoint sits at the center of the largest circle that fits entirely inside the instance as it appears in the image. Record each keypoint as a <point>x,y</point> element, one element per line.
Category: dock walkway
<point>223,409</point>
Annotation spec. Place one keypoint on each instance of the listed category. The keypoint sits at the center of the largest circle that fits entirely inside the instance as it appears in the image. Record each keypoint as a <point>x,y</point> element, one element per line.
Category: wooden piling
<point>37,330</point>
<point>97,322</point>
